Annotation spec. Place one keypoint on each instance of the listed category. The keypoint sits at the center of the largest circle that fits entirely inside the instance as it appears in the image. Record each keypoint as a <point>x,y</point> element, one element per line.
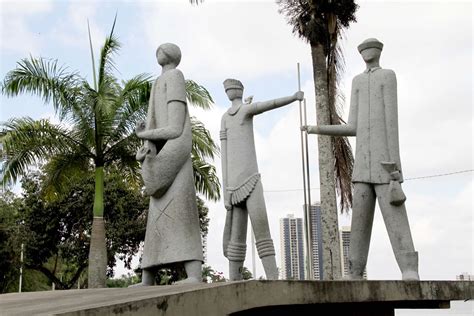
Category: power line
<point>440,175</point>
<point>406,179</point>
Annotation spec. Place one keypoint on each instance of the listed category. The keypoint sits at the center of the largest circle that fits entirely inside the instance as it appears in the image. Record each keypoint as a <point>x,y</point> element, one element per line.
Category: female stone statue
<point>172,232</point>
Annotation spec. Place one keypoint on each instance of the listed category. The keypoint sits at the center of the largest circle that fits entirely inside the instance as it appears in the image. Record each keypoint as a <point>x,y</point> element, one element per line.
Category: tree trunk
<point>331,261</point>
<point>98,251</point>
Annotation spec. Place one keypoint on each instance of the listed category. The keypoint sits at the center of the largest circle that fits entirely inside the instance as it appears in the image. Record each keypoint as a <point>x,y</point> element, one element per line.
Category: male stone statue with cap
<point>373,119</point>
<point>243,192</point>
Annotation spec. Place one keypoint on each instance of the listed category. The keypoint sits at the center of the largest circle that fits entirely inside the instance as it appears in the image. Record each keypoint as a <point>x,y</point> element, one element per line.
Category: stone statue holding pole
<point>172,232</point>
<point>243,191</point>
<point>373,119</point>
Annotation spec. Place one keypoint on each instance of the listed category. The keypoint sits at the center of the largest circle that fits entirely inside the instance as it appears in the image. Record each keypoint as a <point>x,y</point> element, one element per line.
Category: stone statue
<point>243,192</point>
<point>172,232</point>
<point>373,118</point>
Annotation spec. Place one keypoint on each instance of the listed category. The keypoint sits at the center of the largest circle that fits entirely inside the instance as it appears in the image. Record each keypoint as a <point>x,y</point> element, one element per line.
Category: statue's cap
<point>370,43</point>
<point>233,84</point>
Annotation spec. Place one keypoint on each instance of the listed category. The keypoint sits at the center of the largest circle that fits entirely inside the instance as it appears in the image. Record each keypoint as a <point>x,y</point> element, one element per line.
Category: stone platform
<point>354,298</point>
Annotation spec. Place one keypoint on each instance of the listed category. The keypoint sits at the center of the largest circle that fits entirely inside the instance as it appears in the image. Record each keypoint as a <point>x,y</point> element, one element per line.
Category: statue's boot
<point>148,279</point>
<point>266,252</point>
<point>194,272</point>
<point>408,263</point>
<point>356,268</point>
<point>270,267</point>
<point>235,270</point>
<point>236,254</point>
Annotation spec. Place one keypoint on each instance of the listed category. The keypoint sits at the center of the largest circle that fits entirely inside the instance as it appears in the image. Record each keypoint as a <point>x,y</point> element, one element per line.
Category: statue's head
<point>168,53</point>
<point>370,49</point>
<point>234,88</point>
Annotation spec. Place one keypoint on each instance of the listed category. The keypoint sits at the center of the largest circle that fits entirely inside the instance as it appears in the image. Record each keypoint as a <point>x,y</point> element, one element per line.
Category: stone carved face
<point>162,58</point>
<point>371,54</point>
<point>234,94</point>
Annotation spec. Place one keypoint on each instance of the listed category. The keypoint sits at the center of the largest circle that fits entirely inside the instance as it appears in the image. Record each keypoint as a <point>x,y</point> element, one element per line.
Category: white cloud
<point>72,29</point>
<point>231,39</point>
<point>17,34</point>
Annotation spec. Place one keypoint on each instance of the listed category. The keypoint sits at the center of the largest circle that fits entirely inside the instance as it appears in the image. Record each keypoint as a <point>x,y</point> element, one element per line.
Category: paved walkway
<point>242,298</point>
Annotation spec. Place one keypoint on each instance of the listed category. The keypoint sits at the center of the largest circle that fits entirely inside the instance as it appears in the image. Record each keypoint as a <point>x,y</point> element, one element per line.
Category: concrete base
<point>354,298</point>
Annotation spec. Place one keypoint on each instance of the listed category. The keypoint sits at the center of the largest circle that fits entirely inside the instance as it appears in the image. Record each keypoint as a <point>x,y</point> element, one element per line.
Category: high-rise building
<point>317,241</point>
<point>345,237</point>
<point>292,249</point>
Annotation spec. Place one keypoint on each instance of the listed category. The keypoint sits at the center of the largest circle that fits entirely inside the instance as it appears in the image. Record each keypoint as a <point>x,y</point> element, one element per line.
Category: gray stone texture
<point>373,119</point>
<point>172,232</point>
<point>247,297</point>
<point>243,191</point>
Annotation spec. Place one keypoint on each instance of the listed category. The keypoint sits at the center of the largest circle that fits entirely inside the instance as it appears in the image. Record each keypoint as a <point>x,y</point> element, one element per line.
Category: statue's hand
<point>310,129</point>
<point>227,201</point>
<point>299,95</point>
<point>395,175</point>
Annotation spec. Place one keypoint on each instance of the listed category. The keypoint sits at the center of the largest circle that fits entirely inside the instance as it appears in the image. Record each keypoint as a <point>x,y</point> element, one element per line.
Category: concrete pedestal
<point>352,298</point>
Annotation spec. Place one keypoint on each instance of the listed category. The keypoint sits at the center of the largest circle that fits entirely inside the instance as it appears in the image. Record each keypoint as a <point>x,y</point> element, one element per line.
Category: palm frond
<point>311,19</point>
<point>205,179</point>
<point>198,95</point>
<point>106,62</point>
<point>203,144</point>
<point>342,151</point>
<point>94,76</point>
<point>122,156</point>
<point>45,79</point>
<point>130,107</point>
<point>124,149</point>
<point>26,142</point>
<point>64,168</point>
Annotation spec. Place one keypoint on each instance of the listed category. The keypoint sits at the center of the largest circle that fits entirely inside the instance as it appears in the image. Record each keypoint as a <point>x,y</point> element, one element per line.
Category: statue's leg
<point>263,239</point>
<point>194,272</point>
<point>237,246</point>
<point>148,278</point>
<point>363,207</point>
<point>398,228</point>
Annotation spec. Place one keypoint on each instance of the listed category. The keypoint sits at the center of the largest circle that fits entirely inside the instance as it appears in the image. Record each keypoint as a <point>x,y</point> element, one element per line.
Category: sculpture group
<point>172,232</point>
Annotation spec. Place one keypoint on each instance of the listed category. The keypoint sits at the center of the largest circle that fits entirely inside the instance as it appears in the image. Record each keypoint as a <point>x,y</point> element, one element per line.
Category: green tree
<point>209,275</point>
<point>246,274</point>
<point>123,281</point>
<point>9,241</point>
<point>321,23</point>
<point>57,241</point>
<point>96,132</point>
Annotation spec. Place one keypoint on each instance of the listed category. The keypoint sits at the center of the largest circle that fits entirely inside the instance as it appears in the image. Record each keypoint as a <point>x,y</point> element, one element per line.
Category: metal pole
<point>254,266</point>
<point>21,269</point>
<point>308,182</point>
<point>309,273</point>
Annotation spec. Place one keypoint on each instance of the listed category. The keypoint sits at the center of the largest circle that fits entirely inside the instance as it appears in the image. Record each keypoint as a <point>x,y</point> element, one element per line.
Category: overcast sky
<point>428,44</point>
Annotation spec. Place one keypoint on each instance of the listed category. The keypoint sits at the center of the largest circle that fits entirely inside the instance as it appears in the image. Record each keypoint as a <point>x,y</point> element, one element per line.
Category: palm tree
<point>96,131</point>
<point>320,23</point>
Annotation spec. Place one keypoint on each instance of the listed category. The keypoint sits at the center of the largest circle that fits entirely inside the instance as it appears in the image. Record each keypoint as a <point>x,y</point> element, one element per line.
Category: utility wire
<point>406,179</point>
<point>440,175</point>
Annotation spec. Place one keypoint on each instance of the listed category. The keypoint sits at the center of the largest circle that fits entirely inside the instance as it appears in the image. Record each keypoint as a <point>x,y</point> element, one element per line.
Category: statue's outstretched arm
<point>260,107</point>
<point>348,129</point>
